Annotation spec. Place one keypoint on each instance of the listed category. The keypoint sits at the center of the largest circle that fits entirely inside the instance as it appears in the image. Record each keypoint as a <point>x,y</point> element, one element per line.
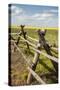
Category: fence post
<point>33,67</point>
<point>18,40</point>
<point>24,34</point>
<point>46,47</point>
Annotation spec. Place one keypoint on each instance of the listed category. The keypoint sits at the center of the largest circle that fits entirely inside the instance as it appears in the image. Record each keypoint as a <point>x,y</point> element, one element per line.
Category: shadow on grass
<point>45,65</point>
<point>52,75</point>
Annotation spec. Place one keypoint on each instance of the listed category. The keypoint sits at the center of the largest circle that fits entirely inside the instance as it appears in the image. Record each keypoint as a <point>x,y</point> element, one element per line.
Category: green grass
<point>44,65</point>
<point>51,35</point>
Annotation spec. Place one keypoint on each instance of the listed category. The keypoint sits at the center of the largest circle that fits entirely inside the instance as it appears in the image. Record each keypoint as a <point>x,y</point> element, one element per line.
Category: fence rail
<point>33,39</point>
<point>32,72</point>
<point>38,78</point>
<point>36,47</point>
<point>40,52</point>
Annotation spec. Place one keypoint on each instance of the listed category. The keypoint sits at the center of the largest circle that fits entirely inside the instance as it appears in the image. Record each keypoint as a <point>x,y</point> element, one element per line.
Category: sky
<point>34,15</point>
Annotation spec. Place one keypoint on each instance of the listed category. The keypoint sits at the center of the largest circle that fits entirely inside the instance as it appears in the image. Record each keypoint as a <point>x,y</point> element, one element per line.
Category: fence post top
<point>42,32</point>
<point>22,26</point>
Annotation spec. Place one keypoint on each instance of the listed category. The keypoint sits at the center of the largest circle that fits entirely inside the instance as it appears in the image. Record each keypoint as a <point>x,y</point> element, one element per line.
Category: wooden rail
<point>40,52</point>
<point>54,48</point>
<point>36,48</point>
<point>29,42</point>
<point>33,39</point>
<point>21,52</point>
<point>48,56</point>
<point>38,78</point>
<point>32,72</point>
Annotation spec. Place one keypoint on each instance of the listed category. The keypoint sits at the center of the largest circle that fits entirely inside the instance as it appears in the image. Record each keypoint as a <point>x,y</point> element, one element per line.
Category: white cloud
<point>46,14</point>
<point>54,11</point>
<point>35,17</point>
<point>41,16</point>
<point>13,7</point>
<point>45,18</point>
<point>15,10</point>
<point>20,13</point>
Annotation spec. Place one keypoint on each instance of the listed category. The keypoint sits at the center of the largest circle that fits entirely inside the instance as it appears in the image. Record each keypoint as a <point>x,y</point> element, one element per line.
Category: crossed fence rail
<point>40,42</point>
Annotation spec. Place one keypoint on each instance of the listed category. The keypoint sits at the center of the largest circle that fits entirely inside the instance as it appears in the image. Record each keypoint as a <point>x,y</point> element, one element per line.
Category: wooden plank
<point>36,76</point>
<point>33,73</point>
<point>33,39</point>
<point>24,35</point>
<point>48,56</point>
<point>18,39</point>
<point>54,48</point>
<point>29,42</point>
<point>46,47</point>
<point>21,53</point>
<point>14,33</point>
<point>33,66</point>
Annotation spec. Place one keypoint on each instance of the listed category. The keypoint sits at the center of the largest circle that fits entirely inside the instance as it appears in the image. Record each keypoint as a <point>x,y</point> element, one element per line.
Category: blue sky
<point>34,15</point>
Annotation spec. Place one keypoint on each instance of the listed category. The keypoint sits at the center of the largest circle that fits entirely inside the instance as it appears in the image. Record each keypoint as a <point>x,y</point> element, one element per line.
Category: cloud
<point>38,19</point>
<point>23,15</point>
<point>16,10</point>
<point>13,7</point>
<point>41,16</point>
<point>36,16</point>
<point>54,11</point>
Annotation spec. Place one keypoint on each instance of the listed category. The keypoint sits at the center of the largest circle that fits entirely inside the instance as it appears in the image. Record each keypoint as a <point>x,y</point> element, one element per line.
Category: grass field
<point>18,69</point>
<point>51,35</point>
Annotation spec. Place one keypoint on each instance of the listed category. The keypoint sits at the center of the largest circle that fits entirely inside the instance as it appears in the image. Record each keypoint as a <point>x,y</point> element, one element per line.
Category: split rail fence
<point>37,49</point>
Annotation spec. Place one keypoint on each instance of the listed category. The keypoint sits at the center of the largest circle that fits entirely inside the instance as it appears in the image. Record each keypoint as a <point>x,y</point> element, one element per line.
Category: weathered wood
<point>27,61</point>
<point>55,50</point>
<point>33,67</point>
<point>14,33</point>
<point>36,57</point>
<point>12,38</point>
<point>18,38</point>
<point>46,55</point>
<point>33,39</point>
<point>29,42</point>
<point>32,72</point>
<point>24,35</point>
<point>17,42</point>
<point>40,52</point>
<point>38,78</point>
<point>46,47</point>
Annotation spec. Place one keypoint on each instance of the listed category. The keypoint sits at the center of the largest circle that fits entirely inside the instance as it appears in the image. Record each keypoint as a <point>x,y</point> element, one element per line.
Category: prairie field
<point>44,68</point>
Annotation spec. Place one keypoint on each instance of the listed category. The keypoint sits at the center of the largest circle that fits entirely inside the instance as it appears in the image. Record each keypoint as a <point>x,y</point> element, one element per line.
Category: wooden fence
<point>37,48</point>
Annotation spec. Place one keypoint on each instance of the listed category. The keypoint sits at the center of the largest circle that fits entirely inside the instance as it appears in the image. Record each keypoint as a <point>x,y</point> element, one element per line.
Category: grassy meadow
<point>19,71</point>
